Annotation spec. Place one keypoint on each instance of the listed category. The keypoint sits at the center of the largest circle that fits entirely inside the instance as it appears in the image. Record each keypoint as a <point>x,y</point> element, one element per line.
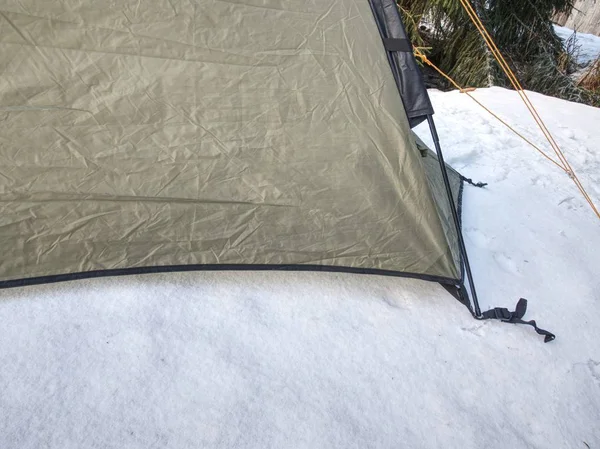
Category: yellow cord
<point>467,91</point>
<point>517,86</point>
<point>562,162</point>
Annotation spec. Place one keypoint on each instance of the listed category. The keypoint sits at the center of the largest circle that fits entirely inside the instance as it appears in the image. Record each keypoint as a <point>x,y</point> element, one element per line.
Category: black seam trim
<point>216,267</point>
<point>459,208</point>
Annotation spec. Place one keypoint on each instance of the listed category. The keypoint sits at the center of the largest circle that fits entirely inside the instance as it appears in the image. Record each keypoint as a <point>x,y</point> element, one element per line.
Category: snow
<point>281,359</point>
<point>589,44</point>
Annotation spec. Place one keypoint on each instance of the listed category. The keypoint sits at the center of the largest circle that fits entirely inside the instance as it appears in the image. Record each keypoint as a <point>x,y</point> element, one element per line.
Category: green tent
<point>202,134</point>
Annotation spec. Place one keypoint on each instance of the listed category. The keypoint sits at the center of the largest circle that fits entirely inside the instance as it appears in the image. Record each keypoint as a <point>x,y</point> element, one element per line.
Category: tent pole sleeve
<point>461,241</point>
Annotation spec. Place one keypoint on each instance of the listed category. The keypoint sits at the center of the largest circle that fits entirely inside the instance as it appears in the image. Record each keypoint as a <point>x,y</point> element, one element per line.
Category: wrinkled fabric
<point>145,134</point>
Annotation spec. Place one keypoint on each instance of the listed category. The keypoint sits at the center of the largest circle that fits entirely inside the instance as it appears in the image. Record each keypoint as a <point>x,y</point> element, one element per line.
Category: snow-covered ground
<point>589,44</point>
<point>317,360</point>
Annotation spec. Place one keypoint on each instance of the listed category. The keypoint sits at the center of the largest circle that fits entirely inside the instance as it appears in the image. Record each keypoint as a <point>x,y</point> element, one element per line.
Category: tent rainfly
<point>193,135</point>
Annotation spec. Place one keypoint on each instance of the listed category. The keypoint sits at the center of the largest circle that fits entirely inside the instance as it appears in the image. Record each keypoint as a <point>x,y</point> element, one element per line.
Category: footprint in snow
<point>478,238</point>
<point>485,129</point>
<point>477,330</point>
<point>500,174</point>
<point>594,368</point>
<point>569,203</point>
<point>568,133</point>
<point>506,263</point>
<point>566,200</point>
<point>541,181</point>
<point>465,159</point>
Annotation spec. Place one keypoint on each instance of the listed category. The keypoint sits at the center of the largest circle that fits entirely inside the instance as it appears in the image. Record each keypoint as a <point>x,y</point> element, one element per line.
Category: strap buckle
<point>506,316</point>
<point>503,314</point>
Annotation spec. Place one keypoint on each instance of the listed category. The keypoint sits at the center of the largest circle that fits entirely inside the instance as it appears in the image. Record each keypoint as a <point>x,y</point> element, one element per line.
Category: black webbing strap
<point>515,317</point>
<point>394,44</point>
<point>473,183</point>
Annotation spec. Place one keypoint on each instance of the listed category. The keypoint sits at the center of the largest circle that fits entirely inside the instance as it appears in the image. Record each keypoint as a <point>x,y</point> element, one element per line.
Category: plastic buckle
<point>502,314</point>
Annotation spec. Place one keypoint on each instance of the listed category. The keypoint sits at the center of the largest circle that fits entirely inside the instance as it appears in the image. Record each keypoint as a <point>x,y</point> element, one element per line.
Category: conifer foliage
<point>523,31</point>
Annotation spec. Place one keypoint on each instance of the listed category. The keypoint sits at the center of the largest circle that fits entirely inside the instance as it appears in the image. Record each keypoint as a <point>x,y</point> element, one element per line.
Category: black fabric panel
<point>392,44</point>
<point>216,267</point>
<point>403,64</point>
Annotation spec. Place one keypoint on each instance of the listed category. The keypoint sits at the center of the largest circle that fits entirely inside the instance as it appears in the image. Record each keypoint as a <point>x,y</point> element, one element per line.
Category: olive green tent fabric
<point>191,132</point>
<point>436,183</point>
